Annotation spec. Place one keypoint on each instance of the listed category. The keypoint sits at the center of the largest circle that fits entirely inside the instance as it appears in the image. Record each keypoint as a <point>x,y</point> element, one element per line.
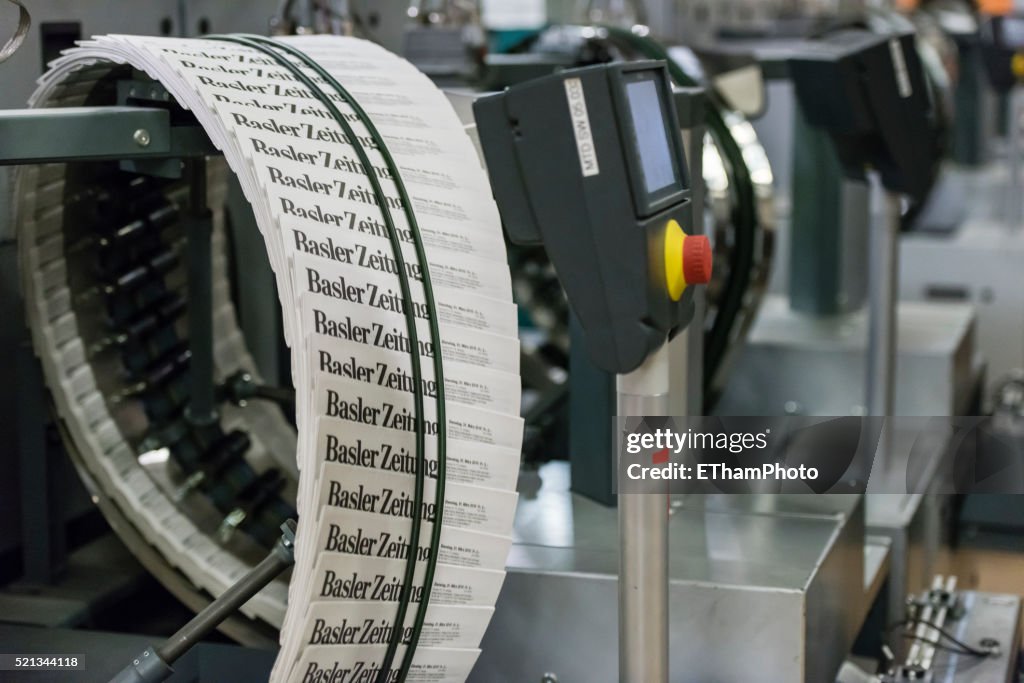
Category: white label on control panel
<point>581,127</point>
<point>900,64</point>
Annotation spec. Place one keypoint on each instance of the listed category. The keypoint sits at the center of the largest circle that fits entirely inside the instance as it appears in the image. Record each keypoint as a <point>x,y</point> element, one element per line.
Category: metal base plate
<point>759,590</point>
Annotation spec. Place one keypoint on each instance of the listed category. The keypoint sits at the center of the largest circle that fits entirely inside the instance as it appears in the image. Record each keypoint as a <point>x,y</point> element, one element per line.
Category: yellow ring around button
<point>1017,65</point>
<point>674,280</point>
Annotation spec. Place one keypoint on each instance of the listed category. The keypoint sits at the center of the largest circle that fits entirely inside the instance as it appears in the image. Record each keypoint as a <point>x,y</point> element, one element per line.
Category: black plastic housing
<point>603,232</point>
<point>868,91</point>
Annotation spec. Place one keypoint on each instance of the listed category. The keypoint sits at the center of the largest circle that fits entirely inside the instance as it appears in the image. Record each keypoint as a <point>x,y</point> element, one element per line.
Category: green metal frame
<point>63,134</point>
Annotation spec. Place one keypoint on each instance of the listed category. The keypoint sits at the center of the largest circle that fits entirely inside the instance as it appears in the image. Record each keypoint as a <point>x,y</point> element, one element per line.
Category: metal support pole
<point>687,349</point>
<point>1014,200</point>
<point>643,542</point>
<point>182,18</point>
<point>201,410</point>
<point>883,295</point>
<point>154,664</point>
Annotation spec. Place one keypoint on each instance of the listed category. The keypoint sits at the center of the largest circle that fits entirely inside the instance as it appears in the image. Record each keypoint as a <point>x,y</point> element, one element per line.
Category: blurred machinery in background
<point>845,554</point>
<point>965,249</point>
<point>808,350</point>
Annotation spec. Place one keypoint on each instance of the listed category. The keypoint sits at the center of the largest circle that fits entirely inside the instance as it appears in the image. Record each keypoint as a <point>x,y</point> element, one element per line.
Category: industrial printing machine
<point>856,543</point>
<point>194,396</point>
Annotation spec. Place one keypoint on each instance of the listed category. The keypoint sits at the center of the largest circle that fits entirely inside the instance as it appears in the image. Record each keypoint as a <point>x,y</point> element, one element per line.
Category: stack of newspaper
<point>344,319</point>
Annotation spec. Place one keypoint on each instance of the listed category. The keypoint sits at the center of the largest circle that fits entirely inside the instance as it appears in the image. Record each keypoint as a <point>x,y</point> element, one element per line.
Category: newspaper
<point>352,353</point>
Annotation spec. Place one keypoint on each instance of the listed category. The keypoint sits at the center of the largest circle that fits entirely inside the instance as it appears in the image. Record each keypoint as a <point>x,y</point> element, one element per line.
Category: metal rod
<point>153,664</point>
<point>279,559</point>
<point>643,542</point>
<point>883,290</point>
<point>284,396</point>
<point>201,409</point>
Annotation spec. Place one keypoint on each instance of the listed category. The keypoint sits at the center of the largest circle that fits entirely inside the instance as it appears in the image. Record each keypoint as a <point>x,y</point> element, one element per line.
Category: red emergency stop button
<point>687,260</point>
<point>697,260</point>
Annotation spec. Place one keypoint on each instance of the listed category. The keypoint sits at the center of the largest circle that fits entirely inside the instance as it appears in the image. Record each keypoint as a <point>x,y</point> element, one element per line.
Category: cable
<point>268,47</point>
<point>937,644</point>
<point>962,647</point>
<point>744,213</point>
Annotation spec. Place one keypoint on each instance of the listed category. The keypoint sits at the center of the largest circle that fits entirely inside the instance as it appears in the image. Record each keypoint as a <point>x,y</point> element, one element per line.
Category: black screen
<point>652,144</point>
<point>1013,33</point>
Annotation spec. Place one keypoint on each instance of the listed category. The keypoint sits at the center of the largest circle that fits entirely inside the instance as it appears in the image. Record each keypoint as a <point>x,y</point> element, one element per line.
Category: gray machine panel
<point>759,590</point>
<point>811,365</point>
<point>986,615</point>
